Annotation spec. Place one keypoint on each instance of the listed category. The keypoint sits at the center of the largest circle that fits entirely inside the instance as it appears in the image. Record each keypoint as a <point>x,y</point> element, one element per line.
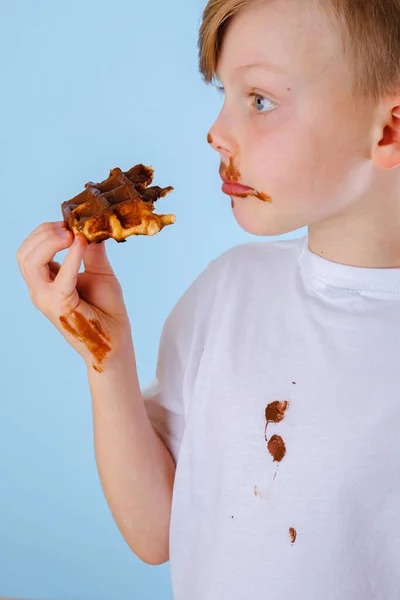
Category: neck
<point>365,234</point>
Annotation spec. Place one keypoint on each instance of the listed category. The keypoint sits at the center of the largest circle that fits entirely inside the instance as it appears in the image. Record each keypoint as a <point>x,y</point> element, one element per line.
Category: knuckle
<point>45,225</point>
<point>20,252</point>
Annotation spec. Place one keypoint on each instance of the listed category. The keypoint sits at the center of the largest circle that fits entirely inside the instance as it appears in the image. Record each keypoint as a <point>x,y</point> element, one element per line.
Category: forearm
<point>136,470</point>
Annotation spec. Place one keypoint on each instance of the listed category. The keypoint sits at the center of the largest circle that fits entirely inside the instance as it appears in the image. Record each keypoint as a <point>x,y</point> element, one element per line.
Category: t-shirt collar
<point>373,282</point>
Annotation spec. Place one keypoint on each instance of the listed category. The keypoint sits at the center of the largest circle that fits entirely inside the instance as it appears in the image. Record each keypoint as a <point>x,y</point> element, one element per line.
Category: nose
<point>217,146</point>
<point>221,139</point>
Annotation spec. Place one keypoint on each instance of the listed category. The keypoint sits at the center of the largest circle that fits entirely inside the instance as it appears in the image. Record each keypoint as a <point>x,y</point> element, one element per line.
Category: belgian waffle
<point>118,207</point>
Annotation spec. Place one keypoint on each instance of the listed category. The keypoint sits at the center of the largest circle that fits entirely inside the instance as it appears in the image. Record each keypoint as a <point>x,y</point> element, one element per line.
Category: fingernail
<point>63,233</point>
<point>78,239</point>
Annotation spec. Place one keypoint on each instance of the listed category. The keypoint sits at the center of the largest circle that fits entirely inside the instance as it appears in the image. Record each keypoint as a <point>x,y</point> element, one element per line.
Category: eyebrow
<point>266,66</point>
<point>263,65</point>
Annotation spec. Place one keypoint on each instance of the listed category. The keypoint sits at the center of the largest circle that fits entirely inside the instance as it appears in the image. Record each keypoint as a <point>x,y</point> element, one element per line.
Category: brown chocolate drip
<point>232,174</point>
<point>67,326</point>
<point>210,138</point>
<point>259,195</point>
<point>96,325</point>
<point>277,448</point>
<point>293,535</point>
<point>275,413</point>
<point>90,333</point>
<point>232,203</point>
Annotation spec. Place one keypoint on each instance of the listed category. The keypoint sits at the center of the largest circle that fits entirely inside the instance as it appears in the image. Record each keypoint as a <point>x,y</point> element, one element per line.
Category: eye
<point>261,104</point>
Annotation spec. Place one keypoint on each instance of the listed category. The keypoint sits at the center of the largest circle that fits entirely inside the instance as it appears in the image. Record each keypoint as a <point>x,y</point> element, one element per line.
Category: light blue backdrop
<point>87,86</point>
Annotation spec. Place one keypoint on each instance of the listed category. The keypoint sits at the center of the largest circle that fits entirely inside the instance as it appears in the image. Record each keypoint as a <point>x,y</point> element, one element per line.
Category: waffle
<point>118,207</point>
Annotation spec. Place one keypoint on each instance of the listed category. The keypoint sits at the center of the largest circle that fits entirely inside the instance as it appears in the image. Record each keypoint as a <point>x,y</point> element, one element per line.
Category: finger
<point>37,235</point>
<point>67,276</point>
<point>54,268</point>
<point>35,267</point>
<point>96,261</point>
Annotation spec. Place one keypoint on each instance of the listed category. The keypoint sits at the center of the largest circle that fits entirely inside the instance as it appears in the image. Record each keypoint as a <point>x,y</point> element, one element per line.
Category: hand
<point>87,308</point>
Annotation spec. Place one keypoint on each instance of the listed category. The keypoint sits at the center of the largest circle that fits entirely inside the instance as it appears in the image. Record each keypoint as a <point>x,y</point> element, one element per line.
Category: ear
<point>386,154</point>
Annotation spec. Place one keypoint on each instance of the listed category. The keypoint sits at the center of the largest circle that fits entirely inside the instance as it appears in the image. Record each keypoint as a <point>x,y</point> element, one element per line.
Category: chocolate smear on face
<point>210,138</point>
<point>275,413</point>
<point>259,195</point>
<point>292,535</point>
<point>90,333</point>
<point>233,175</point>
<point>276,447</point>
<point>231,172</point>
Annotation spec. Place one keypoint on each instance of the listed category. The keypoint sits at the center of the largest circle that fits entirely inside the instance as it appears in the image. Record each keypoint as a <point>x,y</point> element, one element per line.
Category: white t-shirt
<point>309,507</point>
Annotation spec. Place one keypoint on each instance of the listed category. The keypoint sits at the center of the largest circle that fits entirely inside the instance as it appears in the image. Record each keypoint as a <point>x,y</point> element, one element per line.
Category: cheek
<point>299,161</point>
<point>273,149</point>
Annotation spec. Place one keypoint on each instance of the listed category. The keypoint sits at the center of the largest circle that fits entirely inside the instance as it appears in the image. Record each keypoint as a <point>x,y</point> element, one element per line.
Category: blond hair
<point>369,31</point>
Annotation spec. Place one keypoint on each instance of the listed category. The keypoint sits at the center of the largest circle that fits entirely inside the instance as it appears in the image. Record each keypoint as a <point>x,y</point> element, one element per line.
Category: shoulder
<point>239,270</point>
<point>254,255</point>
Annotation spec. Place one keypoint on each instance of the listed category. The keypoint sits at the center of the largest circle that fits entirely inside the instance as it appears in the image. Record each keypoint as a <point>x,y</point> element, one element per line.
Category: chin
<point>261,219</point>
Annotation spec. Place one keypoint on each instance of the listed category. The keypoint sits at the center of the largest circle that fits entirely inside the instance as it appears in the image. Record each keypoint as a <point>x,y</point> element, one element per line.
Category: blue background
<point>87,86</point>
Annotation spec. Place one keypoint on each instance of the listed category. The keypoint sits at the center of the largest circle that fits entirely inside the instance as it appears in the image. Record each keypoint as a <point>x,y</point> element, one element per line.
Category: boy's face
<point>302,139</point>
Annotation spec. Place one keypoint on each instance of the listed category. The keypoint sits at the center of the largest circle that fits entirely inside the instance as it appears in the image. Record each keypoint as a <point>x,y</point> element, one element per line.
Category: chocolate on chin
<point>118,207</point>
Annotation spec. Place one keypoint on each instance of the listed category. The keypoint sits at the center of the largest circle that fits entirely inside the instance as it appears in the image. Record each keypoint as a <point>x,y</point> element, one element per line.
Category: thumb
<point>67,276</point>
<point>96,261</point>
<point>396,112</point>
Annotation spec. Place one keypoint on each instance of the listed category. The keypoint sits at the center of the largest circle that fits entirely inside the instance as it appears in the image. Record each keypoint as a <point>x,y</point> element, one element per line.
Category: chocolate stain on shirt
<point>90,333</point>
<point>256,492</point>
<point>233,175</point>
<point>210,138</point>
<point>275,413</point>
<point>276,447</point>
<point>292,535</point>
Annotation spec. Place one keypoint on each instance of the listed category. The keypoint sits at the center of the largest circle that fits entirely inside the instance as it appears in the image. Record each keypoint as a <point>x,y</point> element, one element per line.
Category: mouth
<point>232,188</point>
<point>236,189</point>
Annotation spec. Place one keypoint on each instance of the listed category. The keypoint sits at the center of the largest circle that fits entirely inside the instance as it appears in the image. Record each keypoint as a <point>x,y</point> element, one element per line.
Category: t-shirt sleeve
<point>168,395</point>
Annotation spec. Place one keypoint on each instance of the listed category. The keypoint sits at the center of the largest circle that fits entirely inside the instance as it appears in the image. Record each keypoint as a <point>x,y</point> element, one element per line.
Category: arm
<point>135,468</point>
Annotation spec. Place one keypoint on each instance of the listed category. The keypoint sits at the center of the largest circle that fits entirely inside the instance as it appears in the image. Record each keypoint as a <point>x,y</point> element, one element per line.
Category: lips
<point>235,189</point>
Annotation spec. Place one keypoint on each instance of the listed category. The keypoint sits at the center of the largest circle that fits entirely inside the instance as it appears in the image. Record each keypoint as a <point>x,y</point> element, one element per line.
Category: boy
<point>274,416</point>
